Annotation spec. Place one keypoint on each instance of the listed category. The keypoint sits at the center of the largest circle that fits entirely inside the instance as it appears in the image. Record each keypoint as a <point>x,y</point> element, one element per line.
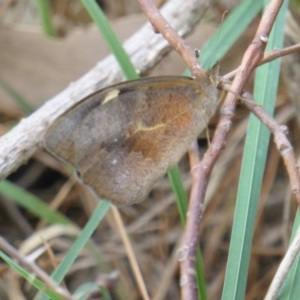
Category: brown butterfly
<point>125,137</point>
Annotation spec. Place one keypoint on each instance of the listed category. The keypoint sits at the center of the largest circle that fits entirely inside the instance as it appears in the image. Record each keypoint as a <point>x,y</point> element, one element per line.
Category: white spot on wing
<point>110,96</point>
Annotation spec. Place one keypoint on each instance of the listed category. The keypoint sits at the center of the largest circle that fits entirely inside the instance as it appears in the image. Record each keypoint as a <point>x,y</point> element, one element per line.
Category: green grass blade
<point>224,38</point>
<point>179,191</point>
<point>290,288</point>
<point>256,147</point>
<point>229,32</point>
<point>88,230</point>
<point>45,17</point>
<point>111,38</point>
<point>30,278</point>
<point>19,100</point>
<point>31,203</point>
<point>63,268</point>
<point>105,293</point>
<point>84,291</point>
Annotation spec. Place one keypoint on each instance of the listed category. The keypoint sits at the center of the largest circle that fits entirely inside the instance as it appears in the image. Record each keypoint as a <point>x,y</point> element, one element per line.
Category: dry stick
<point>276,53</point>
<point>130,253</point>
<point>188,53</point>
<point>250,61</point>
<point>14,253</point>
<point>284,268</point>
<point>283,145</point>
<point>169,272</point>
<point>269,56</point>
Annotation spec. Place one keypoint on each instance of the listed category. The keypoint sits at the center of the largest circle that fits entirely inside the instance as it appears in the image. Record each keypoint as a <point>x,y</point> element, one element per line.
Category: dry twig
<point>130,253</point>
<point>283,145</point>
<point>32,267</point>
<point>269,56</point>
<point>284,268</point>
<point>188,53</point>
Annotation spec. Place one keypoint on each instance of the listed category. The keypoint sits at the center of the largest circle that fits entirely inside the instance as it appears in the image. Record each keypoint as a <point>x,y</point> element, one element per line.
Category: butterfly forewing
<point>122,139</point>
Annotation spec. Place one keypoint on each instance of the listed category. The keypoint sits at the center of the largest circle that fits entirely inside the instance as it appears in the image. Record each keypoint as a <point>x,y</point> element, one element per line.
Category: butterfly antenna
<point>241,98</point>
<point>218,36</point>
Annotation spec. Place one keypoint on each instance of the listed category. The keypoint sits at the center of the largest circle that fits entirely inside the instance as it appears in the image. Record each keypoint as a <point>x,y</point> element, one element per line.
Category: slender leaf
<point>84,291</point>
<point>31,203</point>
<point>30,278</point>
<point>64,266</point>
<point>229,32</point>
<point>19,100</point>
<point>179,192</point>
<point>253,164</point>
<point>45,17</point>
<point>110,38</point>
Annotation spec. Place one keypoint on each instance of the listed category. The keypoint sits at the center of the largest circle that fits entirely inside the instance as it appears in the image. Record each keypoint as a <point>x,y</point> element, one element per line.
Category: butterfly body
<point>123,138</point>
